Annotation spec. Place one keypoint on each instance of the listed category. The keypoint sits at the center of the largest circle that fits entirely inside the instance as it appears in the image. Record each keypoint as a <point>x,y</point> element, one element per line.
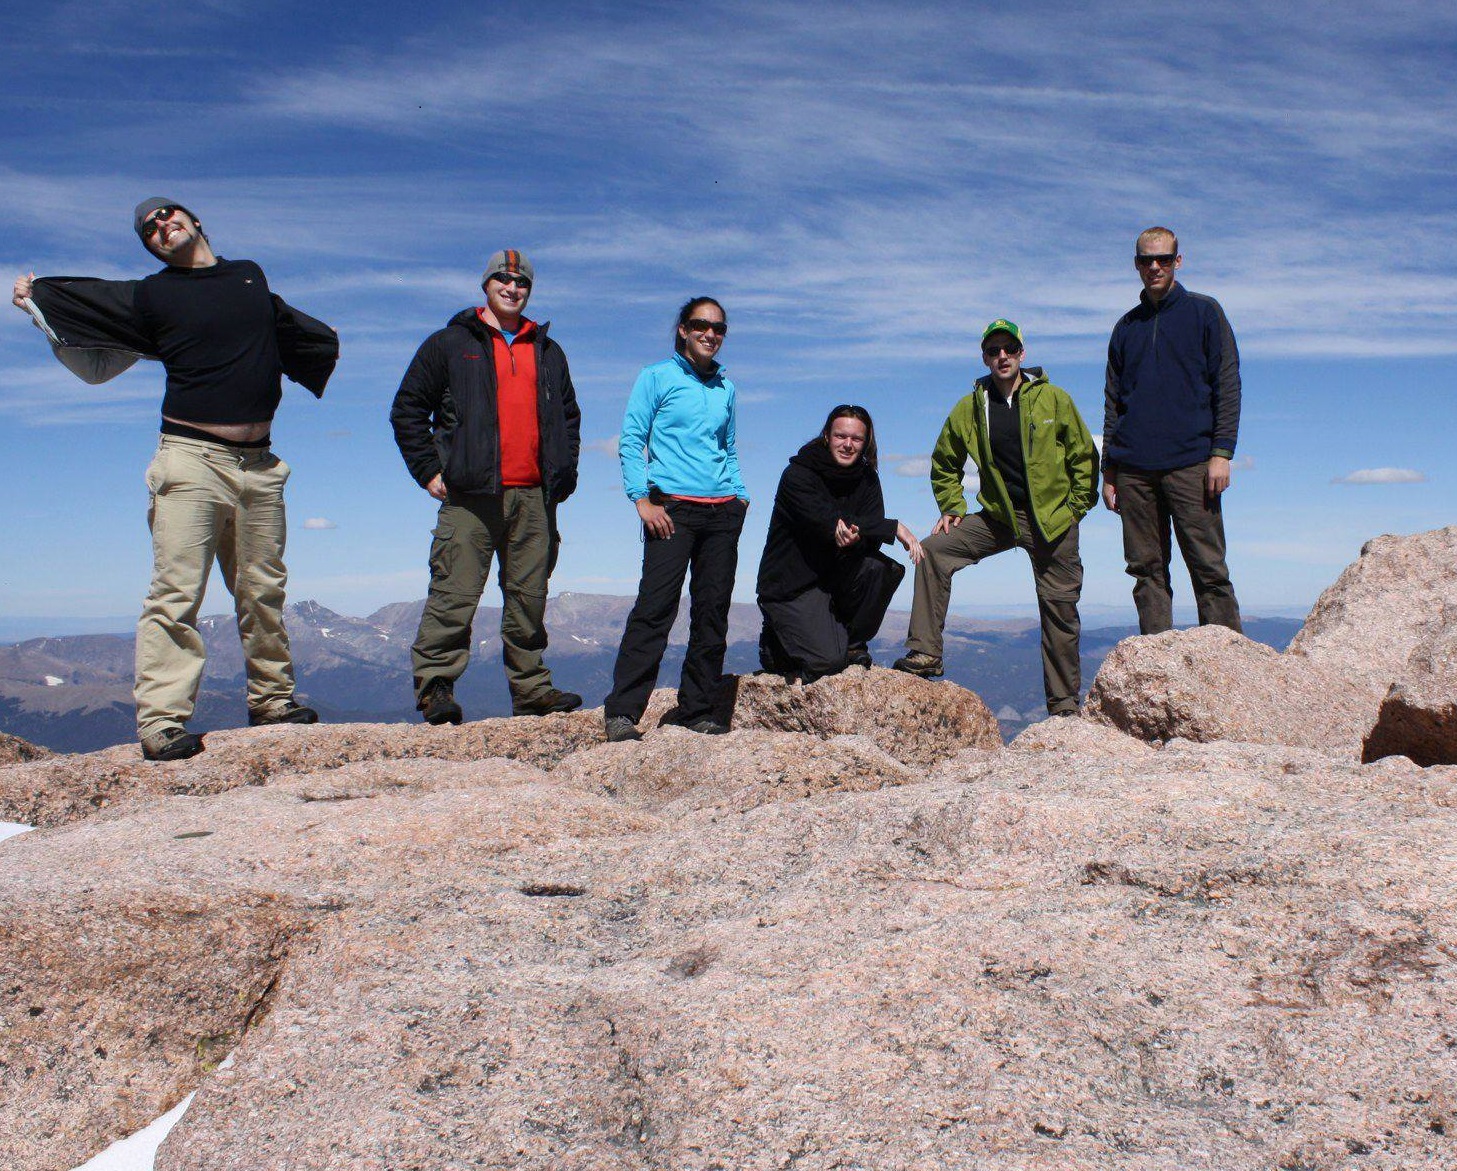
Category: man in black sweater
<point>1170,423</point>
<point>216,488</point>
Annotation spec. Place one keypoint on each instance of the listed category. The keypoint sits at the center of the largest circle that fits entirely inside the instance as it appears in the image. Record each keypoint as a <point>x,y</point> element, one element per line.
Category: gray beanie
<point>147,207</point>
<point>511,261</point>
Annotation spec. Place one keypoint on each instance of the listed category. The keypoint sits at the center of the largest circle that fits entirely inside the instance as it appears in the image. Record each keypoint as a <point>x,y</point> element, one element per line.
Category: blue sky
<point>862,186</point>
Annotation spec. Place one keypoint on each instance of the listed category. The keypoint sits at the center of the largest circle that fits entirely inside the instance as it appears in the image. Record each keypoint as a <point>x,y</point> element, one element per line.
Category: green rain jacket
<point>1062,464</point>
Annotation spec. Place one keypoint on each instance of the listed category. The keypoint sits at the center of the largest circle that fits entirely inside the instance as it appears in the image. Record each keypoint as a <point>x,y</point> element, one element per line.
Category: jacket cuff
<point>883,532</point>
<point>1223,452</point>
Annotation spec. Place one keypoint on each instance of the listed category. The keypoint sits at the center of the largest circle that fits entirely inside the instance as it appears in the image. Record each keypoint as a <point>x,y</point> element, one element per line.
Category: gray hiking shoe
<point>288,712</point>
<point>171,744</point>
<point>920,663</point>
<point>620,728</point>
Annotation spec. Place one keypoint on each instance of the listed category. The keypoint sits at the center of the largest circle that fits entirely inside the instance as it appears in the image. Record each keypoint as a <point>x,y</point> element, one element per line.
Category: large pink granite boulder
<point>1324,692</point>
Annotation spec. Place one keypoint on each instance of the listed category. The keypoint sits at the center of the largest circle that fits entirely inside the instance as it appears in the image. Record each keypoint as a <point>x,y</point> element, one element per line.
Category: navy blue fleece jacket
<point>1172,393</point>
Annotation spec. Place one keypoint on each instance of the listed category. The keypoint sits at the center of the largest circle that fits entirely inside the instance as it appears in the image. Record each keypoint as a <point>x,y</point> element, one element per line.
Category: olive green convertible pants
<point>514,526</point>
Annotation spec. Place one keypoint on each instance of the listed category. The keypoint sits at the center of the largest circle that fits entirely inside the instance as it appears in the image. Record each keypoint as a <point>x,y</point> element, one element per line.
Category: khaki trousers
<point>1149,503</point>
<point>1057,570</point>
<point>516,528</point>
<point>212,500</point>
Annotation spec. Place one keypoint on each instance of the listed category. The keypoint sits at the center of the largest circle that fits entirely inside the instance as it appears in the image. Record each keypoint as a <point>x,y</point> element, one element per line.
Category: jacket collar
<point>1032,376</point>
<point>468,319</point>
<point>1175,293</point>
<point>715,375</point>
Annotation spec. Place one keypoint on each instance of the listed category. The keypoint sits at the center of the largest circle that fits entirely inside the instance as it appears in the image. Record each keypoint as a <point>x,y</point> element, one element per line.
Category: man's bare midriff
<point>228,432</point>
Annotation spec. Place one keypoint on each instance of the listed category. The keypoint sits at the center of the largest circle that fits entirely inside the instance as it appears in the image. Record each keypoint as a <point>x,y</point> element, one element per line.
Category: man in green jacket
<point>1039,477</point>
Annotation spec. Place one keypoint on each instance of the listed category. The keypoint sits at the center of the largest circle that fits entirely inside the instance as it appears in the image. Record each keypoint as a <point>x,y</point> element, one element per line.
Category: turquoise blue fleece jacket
<point>678,434</point>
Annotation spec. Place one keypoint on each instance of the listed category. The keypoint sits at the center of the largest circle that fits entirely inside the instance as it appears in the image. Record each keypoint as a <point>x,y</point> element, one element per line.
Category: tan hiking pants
<point>212,500</point>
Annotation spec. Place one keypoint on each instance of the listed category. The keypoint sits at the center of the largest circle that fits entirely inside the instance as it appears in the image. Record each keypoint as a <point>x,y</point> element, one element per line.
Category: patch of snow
<point>54,680</point>
<point>138,1152</point>
<point>9,829</point>
<point>587,641</point>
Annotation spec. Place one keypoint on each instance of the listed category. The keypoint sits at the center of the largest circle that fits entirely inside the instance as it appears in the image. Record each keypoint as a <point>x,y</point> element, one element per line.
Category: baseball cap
<point>1002,325</point>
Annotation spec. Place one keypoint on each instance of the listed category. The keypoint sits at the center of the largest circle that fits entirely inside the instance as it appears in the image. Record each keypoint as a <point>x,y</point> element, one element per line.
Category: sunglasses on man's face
<point>1162,259</point>
<point>154,221</point>
<point>990,352</point>
<point>703,325</point>
<point>511,278</point>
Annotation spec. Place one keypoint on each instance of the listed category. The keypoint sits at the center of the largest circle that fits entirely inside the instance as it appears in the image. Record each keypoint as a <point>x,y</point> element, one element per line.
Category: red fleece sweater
<point>520,429</point>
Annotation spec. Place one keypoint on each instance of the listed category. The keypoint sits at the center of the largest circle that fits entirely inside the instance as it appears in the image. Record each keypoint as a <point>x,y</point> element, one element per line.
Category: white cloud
<point>607,447</point>
<point>1382,476</point>
<point>319,522</point>
<point>916,466</point>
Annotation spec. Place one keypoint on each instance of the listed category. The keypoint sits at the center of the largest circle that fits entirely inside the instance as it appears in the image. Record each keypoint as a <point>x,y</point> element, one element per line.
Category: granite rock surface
<point>1081,951</point>
<point>14,750</point>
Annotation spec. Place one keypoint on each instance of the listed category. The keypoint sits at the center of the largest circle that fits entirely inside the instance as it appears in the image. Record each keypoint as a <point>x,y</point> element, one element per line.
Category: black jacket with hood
<point>814,492</point>
<point>445,412</point>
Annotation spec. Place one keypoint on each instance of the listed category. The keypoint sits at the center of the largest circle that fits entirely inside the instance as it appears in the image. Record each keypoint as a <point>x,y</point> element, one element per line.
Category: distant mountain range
<point>74,693</point>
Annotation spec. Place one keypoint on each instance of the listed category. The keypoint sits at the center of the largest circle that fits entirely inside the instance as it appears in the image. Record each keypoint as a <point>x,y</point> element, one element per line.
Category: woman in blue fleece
<point>680,468</point>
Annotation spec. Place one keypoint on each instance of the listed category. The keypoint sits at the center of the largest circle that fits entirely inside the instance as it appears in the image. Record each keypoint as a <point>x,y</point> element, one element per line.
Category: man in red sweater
<point>487,421</point>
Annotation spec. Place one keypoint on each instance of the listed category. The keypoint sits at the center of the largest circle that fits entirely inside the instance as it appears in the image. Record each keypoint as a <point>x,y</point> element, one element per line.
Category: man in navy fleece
<point>1170,423</point>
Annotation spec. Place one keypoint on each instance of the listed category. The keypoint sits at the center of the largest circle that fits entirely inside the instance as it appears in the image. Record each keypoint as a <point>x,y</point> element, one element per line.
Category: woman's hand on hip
<point>655,519</point>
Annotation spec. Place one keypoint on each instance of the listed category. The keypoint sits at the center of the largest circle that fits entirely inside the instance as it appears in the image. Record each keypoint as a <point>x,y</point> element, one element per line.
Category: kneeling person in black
<point>824,584</point>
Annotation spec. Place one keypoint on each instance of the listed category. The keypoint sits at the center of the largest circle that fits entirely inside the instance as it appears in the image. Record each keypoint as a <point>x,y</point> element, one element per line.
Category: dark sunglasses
<point>1162,259</point>
<point>702,325</point>
<point>511,278</point>
<point>992,351</point>
<point>154,221</point>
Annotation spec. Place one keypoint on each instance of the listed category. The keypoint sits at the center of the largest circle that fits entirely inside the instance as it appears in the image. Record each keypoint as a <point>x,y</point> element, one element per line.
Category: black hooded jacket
<point>445,412</point>
<point>815,492</point>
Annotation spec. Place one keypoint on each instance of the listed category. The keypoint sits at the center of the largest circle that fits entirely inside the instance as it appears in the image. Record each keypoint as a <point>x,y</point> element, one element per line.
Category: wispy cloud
<point>1382,476</point>
<point>52,395</point>
<point>319,522</point>
<point>916,466</point>
<point>607,447</point>
<point>817,158</point>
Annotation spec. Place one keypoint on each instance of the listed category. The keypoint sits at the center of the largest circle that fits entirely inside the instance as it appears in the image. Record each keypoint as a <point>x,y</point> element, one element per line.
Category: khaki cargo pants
<point>212,500</point>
